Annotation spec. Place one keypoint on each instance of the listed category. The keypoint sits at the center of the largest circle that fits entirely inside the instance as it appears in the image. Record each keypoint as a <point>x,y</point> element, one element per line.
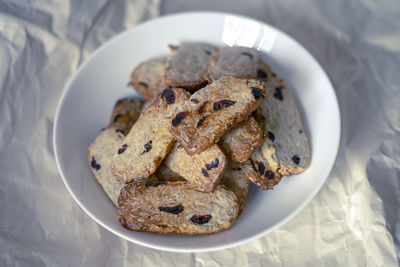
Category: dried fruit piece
<point>178,118</point>
<point>174,210</point>
<point>223,104</point>
<point>201,219</point>
<point>257,93</point>
<point>213,164</point>
<point>94,164</point>
<point>200,122</point>
<point>278,93</point>
<point>296,159</point>
<point>201,108</point>
<point>204,172</point>
<point>169,96</point>
<point>122,149</point>
<point>148,146</point>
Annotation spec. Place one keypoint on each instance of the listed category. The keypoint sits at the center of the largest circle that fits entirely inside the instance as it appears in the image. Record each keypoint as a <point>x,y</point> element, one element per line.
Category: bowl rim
<point>290,216</point>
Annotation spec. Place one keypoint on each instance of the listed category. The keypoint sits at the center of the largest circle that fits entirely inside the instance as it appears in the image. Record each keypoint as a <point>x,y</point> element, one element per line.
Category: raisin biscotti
<point>176,207</point>
<point>284,149</point>
<point>202,120</point>
<point>149,140</point>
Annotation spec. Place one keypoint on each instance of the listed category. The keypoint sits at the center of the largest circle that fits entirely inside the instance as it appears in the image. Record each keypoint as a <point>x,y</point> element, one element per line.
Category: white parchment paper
<point>353,221</point>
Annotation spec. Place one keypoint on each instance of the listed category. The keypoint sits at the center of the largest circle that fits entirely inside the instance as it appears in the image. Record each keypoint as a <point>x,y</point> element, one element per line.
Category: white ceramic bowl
<point>87,102</point>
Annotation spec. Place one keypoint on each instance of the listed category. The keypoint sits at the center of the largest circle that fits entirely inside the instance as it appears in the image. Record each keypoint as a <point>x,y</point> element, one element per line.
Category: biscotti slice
<point>202,170</point>
<point>284,149</point>
<point>201,121</point>
<point>148,79</point>
<point>176,207</point>
<point>234,61</point>
<point>149,140</point>
<point>100,153</point>
<point>242,140</point>
<point>188,64</point>
<point>126,112</point>
<point>237,182</point>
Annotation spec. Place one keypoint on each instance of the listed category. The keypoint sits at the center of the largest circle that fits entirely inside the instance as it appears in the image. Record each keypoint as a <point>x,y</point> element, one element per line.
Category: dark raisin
<point>174,210</point>
<point>223,104</point>
<point>213,164</point>
<point>169,96</point>
<point>200,122</point>
<point>261,74</point>
<point>271,136</point>
<point>143,84</point>
<point>253,165</point>
<point>300,131</point>
<point>94,164</point>
<point>257,93</point>
<point>207,52</point>
<point>261,168</point>
<point>201,219</point>
<point>269,174</point>
<point>278,93</point>
<point>247,54</point>
<point>155,184</point>
<point>195,100</point>
<point>117,117</point>
<point>178,118</point>
<point>148,147</point>
<point>120,131</point>
<point>122,149</point>
<point>273,74</point>
<point>204,172</point>
<point>296,159</point>
<point>201,108</point>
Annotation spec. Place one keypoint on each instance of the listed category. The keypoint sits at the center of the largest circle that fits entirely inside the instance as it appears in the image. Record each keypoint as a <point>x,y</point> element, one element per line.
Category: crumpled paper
<point>353,221</point>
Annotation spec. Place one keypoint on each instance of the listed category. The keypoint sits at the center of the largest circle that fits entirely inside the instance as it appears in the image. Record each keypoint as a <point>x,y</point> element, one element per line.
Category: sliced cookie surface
<point>188,64</point>
<point>234,61</point>
<point>237,182</point>
<point>176,207</point>
<point>284,149</point>
<point>202,170</point>
<point>100,154</point>
<point>148,79</point>
<point>201,121</point>
<point>242,140</point>
<point>126,111</point>
<point>149,140</point>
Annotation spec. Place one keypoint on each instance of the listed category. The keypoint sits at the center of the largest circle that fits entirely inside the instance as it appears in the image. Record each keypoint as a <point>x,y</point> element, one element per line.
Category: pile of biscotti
<point>215,119</point>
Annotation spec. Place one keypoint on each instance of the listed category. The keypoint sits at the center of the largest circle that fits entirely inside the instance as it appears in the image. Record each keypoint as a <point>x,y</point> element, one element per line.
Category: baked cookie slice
<point>234,61</point>
<point>202,170</point>
<point>284,149</point>
<point>176,207</point>
<point>100,153</point>
<point>149,140</point>
<point>188,64</point>
<point>210,112</point>
<point>125,113</point>
<point>148,79</point>
<point>242,140</point>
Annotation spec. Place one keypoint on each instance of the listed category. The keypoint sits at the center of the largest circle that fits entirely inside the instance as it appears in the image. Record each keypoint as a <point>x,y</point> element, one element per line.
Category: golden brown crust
<point>148,78</point>
<point>242,140</point>
<point>188,64</point>
<point>210,112</point>
<point>176,207</point>
<point>202,170</point>
<point>125,113</point>
<point>149,140</point>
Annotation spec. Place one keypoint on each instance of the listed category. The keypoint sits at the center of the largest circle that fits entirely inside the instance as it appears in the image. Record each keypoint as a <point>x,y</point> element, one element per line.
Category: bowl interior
<point>86,106</point>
